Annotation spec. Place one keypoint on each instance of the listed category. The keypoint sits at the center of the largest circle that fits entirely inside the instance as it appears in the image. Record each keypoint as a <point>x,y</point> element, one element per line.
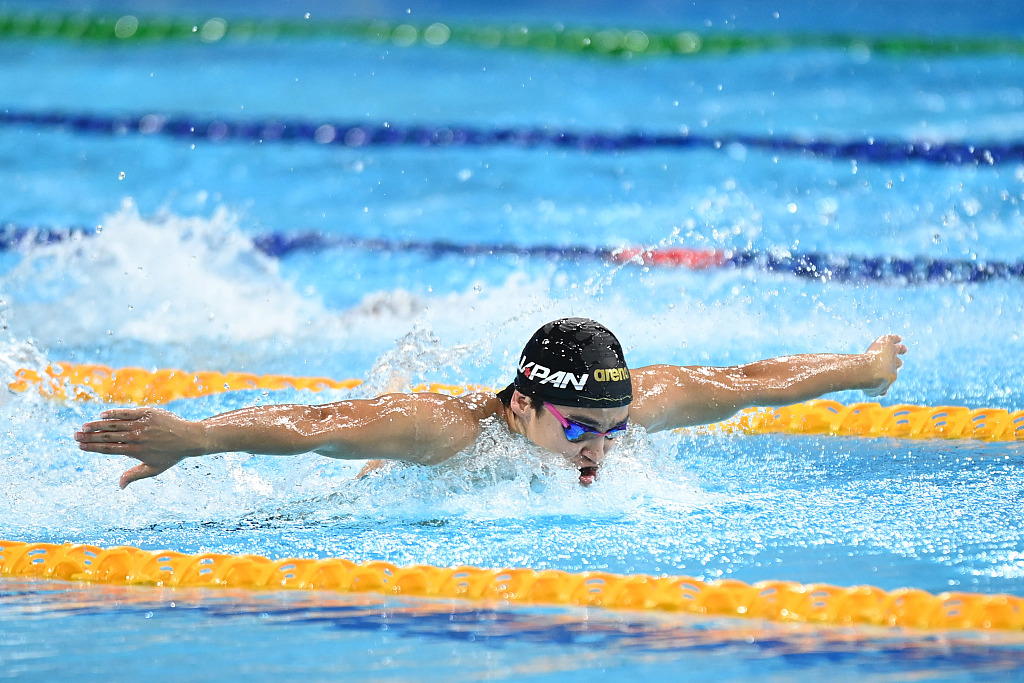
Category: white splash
<point>156,280</point>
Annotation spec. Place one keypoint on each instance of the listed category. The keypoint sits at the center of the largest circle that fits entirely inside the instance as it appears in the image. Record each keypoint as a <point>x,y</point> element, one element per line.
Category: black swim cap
<point>575,362</point>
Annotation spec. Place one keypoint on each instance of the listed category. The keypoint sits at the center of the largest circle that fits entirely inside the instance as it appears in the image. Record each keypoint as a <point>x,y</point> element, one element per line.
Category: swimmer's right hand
<point>884,354</point>
<point>155,437</point>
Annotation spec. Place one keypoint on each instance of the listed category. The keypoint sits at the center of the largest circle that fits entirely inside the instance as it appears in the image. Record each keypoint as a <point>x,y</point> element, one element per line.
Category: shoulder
<point>419,406</point>
<point>471,407</point>
<point>422,427</point>
<point>670,396</point>
<point>448,424</point>
<point>651,380</point>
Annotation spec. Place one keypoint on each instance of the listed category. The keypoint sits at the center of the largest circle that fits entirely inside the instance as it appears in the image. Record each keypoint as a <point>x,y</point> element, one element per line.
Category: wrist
<point>202,440</point>
<point>873,374</point>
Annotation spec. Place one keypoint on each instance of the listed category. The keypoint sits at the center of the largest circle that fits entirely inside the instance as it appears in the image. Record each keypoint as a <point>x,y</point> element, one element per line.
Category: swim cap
<point>575,362</point>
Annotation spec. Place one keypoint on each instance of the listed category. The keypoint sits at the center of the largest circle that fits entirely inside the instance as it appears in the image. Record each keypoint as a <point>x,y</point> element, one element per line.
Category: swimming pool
<point>174,280</point>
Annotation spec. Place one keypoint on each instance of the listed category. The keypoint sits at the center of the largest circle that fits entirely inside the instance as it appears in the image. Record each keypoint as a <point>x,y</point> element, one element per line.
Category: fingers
<point>103,436</point>
<point>887,342</point>
<point>127,431</point>
<point>109,426</point>
<point>125,413</point>
<point>139,472</point>
<point>889,339</point>
<point>897,346</point>
<point>118,419</point>
<point>128,449</point>
<point>110,438</point>
<point>886,351</point>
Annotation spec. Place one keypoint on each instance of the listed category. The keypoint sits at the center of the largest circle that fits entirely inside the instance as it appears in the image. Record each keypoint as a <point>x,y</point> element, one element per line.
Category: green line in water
<point>613,42</point>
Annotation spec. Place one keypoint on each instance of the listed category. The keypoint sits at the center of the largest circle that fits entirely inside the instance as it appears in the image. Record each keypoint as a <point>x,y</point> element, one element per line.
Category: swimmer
<point>572,396</point>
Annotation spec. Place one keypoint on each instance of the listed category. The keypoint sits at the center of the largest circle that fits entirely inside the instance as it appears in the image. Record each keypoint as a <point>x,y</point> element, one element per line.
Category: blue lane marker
<point>814,266</point>
<point>358,135</point>
<point>13,236</point>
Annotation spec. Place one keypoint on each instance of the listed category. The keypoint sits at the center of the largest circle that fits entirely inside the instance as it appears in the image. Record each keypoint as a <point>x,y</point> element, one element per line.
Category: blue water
<point>173,280</point>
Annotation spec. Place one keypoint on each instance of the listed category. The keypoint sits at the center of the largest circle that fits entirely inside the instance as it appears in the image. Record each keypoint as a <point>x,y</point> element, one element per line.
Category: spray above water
<point>163,280</point>
<point>505,477</point>
<point>420,356</point>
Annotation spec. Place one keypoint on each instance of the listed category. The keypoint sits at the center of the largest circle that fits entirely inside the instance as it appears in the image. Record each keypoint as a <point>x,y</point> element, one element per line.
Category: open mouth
<point>588,475</point>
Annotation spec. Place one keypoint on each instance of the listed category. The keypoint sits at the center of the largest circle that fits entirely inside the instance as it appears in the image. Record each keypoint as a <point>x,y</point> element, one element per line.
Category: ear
<point>521,405</point>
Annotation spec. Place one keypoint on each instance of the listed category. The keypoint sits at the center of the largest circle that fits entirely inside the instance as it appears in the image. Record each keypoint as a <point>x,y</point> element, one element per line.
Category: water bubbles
<point>325,134</point>
<point>859,52</point>
<point>213,30</point>
<point>437,34</point>
<point>687,42</point>
<point>971,206</point>
<point>736,151</point>
<point>126,26</point>
<point>404,35</point>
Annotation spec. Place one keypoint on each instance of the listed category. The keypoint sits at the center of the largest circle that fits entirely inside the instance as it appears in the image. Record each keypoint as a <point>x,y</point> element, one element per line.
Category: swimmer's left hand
<point>885,363</point>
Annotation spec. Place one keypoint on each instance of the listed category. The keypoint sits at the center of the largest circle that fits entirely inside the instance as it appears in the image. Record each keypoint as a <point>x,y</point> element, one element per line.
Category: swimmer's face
<point>586,454</point>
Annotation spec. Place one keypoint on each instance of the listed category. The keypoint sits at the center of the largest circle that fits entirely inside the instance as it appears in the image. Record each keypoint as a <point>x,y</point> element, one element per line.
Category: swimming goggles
<point>574,431</point>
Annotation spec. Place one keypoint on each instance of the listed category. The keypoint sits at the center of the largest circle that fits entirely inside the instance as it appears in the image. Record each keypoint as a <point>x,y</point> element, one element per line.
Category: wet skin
<point>430,428</point>
<point>543,428</point>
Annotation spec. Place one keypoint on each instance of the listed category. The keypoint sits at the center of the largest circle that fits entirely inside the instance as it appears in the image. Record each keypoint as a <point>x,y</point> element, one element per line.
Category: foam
<point>202,266</point>
<point>194,290</point>
<point>65,491</point>
<point>157,280</point>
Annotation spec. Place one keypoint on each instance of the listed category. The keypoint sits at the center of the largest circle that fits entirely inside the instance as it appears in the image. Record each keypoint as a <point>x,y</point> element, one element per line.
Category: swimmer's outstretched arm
<point>421,428</point>
<point>668,396</point>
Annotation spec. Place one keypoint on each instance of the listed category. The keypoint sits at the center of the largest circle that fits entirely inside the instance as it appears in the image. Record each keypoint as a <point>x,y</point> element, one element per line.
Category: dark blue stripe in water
<point>814,266</point>
<point>357,134</point>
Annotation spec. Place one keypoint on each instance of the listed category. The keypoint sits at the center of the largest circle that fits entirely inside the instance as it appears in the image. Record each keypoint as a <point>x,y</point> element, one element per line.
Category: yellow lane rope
<point>779,600</point>
<point>774,600</point>
<point>139,386</point>
<point>135,385</point>
<point>874,420</point>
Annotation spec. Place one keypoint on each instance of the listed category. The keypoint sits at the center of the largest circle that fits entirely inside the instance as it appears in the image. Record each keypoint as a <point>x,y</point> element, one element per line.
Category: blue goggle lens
<point>575,431</point>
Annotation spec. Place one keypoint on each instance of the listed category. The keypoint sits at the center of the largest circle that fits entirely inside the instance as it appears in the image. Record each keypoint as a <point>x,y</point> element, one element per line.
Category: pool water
<point>172,279</point>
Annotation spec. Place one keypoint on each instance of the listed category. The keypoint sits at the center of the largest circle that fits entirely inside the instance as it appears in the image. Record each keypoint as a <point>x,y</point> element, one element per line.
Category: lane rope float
<point>812,265</point>
<point>611,41</point>
<point>357,135</point>
<point>70,381</point>
<point>773,600</point>
<point>144,387</point>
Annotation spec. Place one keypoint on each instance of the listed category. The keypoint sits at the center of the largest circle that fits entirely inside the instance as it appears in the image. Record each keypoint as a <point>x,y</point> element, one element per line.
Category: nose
<point>595,449</point>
